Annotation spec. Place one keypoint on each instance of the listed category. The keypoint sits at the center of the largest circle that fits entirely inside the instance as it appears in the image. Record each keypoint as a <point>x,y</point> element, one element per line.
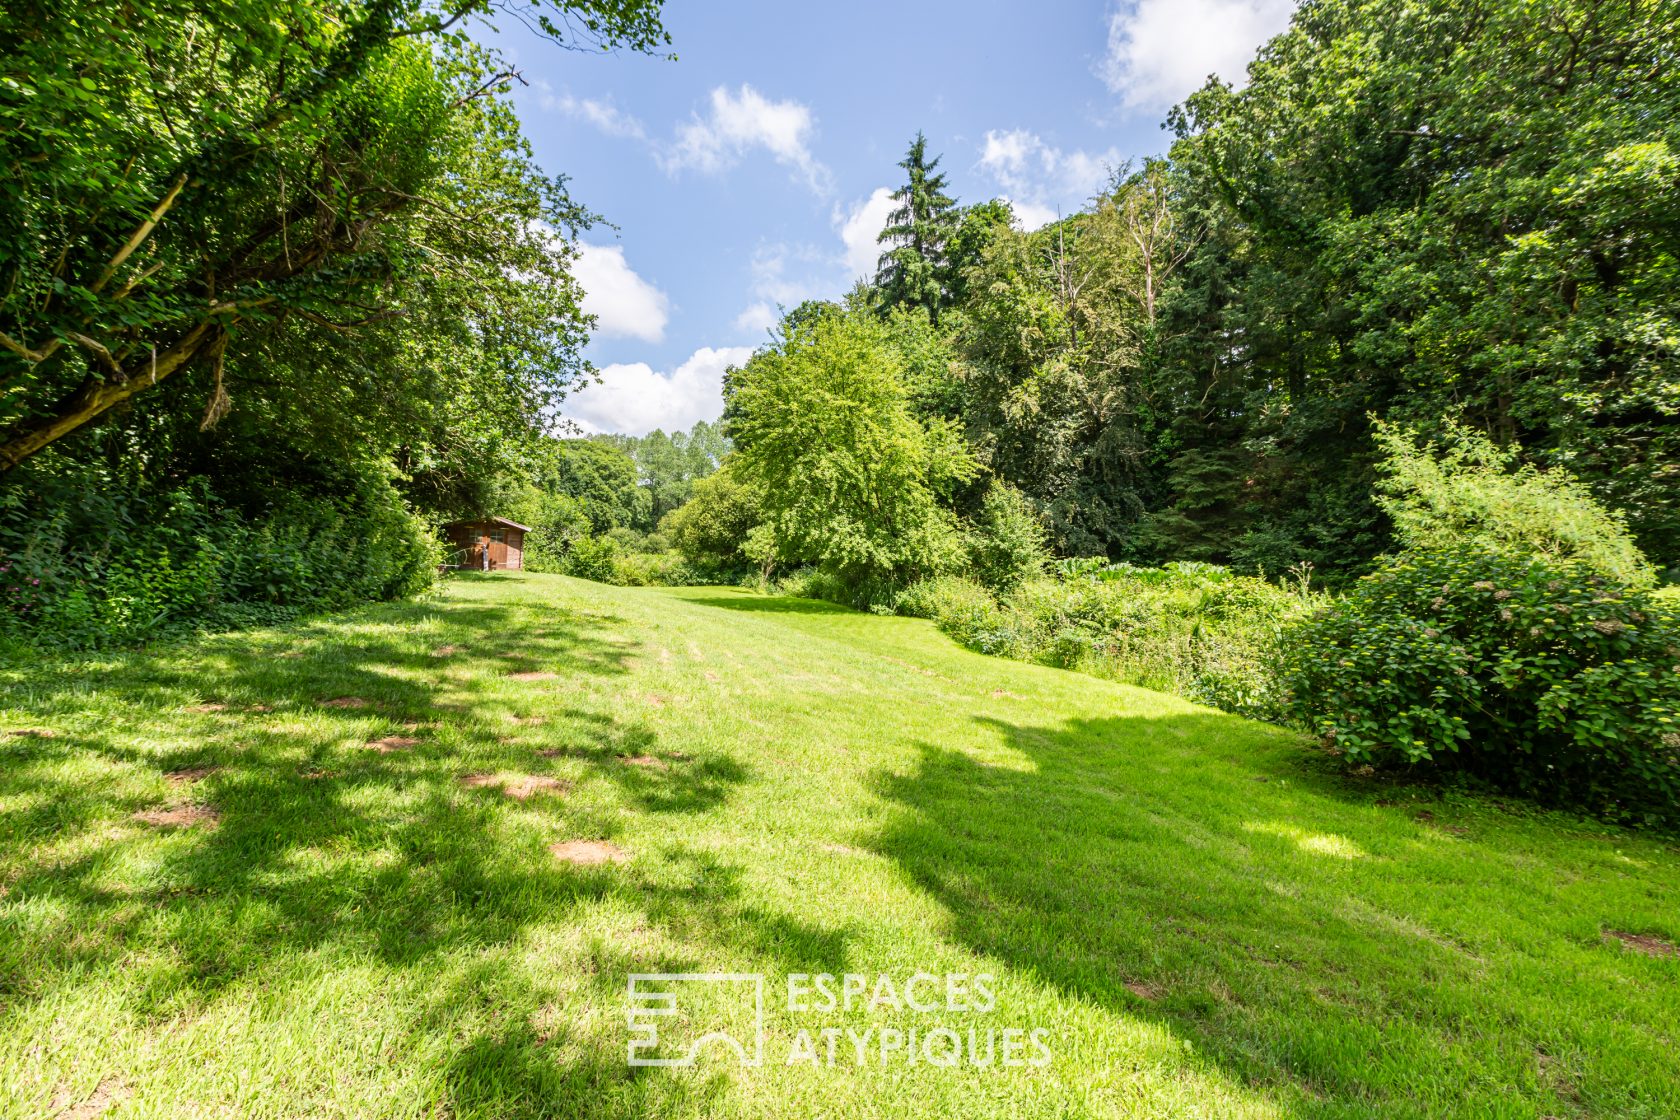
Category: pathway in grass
<point>401,863</point>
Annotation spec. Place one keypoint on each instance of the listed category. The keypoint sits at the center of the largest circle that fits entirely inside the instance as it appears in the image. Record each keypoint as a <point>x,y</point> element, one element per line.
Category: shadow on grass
<point>322,849</point>
<point>769,604</point>
<point>1348,958</point>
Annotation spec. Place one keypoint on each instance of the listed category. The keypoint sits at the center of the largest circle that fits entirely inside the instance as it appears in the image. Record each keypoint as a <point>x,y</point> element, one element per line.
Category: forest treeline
<point>1435,214</point>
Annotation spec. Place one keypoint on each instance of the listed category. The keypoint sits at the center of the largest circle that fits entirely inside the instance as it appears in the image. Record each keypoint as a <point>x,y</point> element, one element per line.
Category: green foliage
<point>601,478</point>
<point>593,558</point>
<point>1055,395</point>
<point>1531,674</point>
<point>1425,212</point>
<point>1194,629</point>
<point>712,528</point>
<point>555,520</point>
<point>668,466</point>
<point>914,269</point>
<point>1471,493</point>
<point>1006,544</point>
<point>85,564</point>
<point>850,480</point>
<point>186,181</point>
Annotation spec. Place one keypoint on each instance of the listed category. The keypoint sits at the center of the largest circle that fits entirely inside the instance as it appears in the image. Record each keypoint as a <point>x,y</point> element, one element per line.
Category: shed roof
<point>490,521</point>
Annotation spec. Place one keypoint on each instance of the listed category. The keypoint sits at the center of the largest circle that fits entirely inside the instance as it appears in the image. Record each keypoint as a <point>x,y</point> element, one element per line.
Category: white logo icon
<point>654,998</point>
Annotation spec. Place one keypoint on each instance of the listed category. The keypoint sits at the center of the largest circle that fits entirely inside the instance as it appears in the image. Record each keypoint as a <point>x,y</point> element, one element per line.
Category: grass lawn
<point>312,872</point>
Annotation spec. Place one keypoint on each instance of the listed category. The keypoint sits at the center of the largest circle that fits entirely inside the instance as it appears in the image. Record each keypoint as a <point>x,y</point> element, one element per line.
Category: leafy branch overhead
<point>181,177</point>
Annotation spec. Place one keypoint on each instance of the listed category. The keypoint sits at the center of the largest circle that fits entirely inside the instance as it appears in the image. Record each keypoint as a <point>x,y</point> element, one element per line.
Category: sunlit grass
<point>216,898</point>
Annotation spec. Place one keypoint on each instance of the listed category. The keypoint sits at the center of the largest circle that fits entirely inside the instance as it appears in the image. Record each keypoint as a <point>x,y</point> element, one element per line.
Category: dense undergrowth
<point>87,564</point>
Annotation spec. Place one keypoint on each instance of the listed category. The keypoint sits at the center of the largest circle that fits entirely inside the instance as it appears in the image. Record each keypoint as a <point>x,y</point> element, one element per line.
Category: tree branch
<point>139,236</point>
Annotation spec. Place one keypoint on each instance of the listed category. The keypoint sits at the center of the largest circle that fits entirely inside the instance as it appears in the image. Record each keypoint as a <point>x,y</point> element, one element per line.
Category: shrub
<point>1194,629</point>
<point>712,526</point>
<point>1006,543</point>
<point>655,569</point>
<point>1466,493</point>
<point>593,558</point>
<point>1539,676</point>
<point>86,564</point>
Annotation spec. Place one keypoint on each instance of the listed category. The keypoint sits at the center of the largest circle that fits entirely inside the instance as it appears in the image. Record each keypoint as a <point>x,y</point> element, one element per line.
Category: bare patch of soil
<point>520,787</point>
<point>108,1092</point>
<point>526,786</point>
<point>527,721</point>
<point>1143,991</point>
<point>345,702</point>
<point>445,651</point>
<point>190,774</point>
<point>32,733</point>
<point>1644,943</point>
<point>182,816</point>
<point>390,744</point>
<point>534,676</point>
<point>588,852</point>
<point>201,708</point>
<point>1005,694</point>
<point>645,761</point>
<point>655,700</point>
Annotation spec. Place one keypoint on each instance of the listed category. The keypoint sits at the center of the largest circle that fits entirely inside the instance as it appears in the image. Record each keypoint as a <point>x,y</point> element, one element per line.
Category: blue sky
<point>752,171</point>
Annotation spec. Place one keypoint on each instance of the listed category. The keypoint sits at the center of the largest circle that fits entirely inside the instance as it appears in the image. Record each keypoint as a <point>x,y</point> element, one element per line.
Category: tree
<point>913,269</point>
<point>601,477</point>
<point>179,175</point>
<point>851,480</point>
<point>714,525</point>
<point>1426,212</point>
<point>668,466</point>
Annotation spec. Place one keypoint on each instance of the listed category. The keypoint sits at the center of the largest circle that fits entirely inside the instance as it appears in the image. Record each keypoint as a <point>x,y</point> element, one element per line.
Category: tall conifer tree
<point>912,269</point>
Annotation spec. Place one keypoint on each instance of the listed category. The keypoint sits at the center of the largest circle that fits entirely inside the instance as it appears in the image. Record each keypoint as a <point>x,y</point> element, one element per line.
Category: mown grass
<point>1206,922</point>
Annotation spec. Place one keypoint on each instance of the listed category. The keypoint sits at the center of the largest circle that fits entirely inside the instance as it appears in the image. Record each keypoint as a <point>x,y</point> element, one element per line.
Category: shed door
<point>498,548</point>
<point>473,542</point>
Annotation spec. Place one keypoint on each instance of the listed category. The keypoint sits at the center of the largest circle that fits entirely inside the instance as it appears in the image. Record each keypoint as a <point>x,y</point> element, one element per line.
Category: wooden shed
<point>488,544</point>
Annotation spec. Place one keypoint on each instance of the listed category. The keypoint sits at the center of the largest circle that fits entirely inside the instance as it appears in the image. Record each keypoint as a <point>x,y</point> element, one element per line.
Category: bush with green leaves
<point>593,558</point>
<point>712,527</point>
<point>1007,541</point>
<point>86,564</point>
<point>1538,676</point>
<point>1468,491</point>
<point>1195,629</point>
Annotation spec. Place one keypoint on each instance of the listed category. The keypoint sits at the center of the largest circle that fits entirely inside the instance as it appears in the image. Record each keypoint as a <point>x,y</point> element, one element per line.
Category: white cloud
<point>635,399</point>
<point>625,305</point>
<point>740,122</point>
<point>604,115</point>
<point>859,229</point>
<point>1031,215</point>
<point>758,318</point>
<point>1038,176</point>
<point>1159,51</point>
